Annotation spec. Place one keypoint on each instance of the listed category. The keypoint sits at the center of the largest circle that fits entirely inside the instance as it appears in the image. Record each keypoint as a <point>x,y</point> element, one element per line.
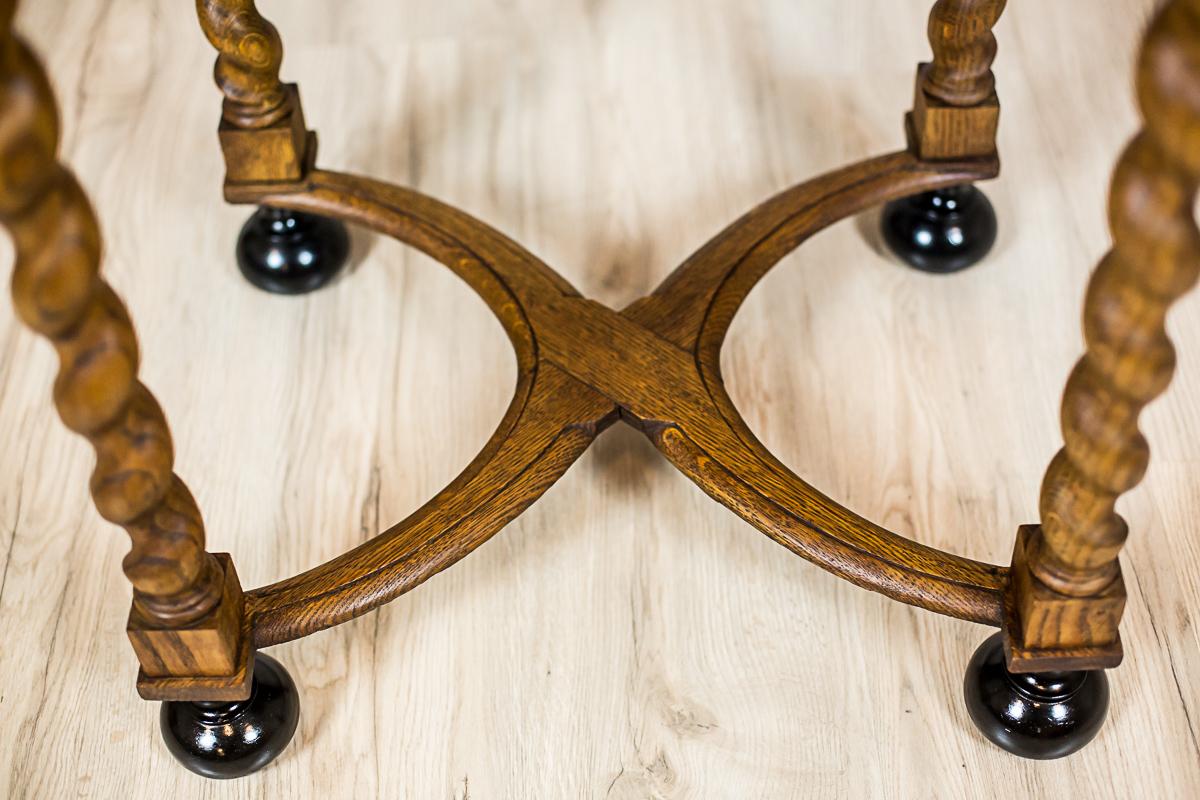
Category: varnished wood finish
<point>654,365</point>
<point>583,366</point>
<point>960,33</point>
<point>262,127</point>
<point>58,292</point>
<point>1067,595</point>
<point>247,71</point>
<point>645,642</point>
<point>955,110</point>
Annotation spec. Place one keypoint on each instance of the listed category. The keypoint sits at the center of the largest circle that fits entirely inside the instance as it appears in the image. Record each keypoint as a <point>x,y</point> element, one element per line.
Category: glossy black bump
<point>1036,715</point>
<point>231,740</point>
<point>290,252</point>
<point>941,231</point>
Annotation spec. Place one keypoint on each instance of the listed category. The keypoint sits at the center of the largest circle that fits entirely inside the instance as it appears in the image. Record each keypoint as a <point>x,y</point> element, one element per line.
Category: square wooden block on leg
<point>1047,631</point>
<point>940,131</point>
<point>207,660</point>
<point>278,153</point>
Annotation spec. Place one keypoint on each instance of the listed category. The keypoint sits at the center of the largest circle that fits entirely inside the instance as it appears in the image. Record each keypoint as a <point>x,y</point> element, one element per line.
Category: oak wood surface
<point>624,637</point>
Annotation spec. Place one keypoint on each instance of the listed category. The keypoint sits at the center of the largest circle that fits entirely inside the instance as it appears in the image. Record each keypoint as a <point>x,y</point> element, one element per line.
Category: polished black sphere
<point>1035,715</point>
<point>290,252</point>
<point>230,740</point>
<point>941,231</point>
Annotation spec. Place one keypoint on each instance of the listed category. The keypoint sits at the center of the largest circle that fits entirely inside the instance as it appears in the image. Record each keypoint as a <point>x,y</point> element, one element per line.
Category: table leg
<point>1065,595</point>
<point>264,140</point>
<point>188,622</point>
<point>955,115</point>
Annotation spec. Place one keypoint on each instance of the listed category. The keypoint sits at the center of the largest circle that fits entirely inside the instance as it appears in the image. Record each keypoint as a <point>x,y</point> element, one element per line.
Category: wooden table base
<point>653,365</point>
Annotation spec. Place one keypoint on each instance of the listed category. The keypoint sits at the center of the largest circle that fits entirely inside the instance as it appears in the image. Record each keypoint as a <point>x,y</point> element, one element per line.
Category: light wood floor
<point>626,638</point>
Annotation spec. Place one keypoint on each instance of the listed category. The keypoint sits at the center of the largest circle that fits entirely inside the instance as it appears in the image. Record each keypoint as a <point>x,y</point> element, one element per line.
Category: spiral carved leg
<point>290,252</point>
<point>1033,715</point>
<point>942,231</point>
<point>231,740</point>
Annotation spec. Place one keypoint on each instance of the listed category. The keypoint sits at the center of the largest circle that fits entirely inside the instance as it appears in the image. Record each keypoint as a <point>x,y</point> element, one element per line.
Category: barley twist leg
<point>187,620</point>
<point>58,292</point>
<point>264,139</point>
<point>1065,596</point>
<point>955,116</point>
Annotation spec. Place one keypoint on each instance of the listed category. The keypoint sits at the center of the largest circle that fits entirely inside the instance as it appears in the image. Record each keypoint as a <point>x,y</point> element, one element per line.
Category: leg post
<point>265,141</point>
<point>1065,595</point>
<point>955,115</point>
<point>188,622</point>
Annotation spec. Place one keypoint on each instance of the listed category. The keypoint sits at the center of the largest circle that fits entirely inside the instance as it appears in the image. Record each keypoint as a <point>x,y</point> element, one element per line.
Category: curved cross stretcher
<point>654,365</point>
<point>583,366</point>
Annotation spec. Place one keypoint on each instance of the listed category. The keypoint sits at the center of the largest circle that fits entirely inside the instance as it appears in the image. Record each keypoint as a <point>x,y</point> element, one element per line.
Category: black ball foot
<point>290,252</point>
<point>231,740</point>
<point>1036,715</point>
<point>941,231</point>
